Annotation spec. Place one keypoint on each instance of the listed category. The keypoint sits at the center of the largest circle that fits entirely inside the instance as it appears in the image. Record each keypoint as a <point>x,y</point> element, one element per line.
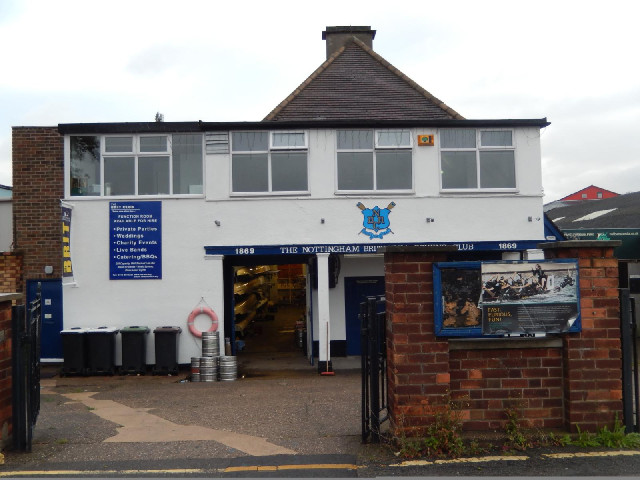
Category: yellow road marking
<point>275,468</point>
<point>414,463</point>
<point>620,453</point>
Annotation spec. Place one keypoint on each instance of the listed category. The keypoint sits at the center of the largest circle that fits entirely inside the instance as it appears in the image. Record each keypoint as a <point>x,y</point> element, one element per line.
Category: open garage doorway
<point>268,309</point>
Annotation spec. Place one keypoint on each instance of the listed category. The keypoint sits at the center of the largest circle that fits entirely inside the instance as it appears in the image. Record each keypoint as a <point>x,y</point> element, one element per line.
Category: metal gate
<point>630,387</point>
<point>26,326</point>
<point>374,367</point>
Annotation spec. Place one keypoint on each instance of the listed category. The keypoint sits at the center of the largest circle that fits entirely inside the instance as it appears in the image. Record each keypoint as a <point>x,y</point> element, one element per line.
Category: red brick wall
<point>489,382</point>
<point>6,392</point>
<point>417,362</point>
<point>593,357</point>
<point>10,272</point>
<point>569,381</point>
<point>38,186</point>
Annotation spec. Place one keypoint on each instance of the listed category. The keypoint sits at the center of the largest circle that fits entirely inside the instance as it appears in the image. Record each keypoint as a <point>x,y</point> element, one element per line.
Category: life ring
<point>202,311</point>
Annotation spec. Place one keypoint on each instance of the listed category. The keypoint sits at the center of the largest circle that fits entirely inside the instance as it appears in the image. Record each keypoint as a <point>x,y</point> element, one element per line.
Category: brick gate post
<point>592,358</point>
<point>417,362</point>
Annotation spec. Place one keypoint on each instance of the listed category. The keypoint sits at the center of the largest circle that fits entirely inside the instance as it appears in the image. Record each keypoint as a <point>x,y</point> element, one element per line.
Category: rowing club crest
<point>376,220</point>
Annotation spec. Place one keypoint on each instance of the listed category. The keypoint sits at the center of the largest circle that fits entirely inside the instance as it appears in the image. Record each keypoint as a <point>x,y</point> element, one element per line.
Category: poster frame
<point>440,270</point>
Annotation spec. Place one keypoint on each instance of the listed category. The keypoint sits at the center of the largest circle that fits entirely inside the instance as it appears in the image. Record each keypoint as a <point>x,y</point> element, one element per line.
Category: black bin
<point>166,346</point>
<point>134,350</point>
<point>101,350</point>
<point>74,351</point>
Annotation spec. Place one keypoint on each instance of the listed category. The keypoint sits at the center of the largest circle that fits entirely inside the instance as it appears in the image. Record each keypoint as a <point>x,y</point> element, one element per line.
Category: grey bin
<point>101,350</point>
<point>74,351</point>
<point>134,350</point>
<point>166,349</point>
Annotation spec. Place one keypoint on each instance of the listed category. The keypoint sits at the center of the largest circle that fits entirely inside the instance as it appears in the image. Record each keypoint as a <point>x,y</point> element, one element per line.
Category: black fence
<point>26,326</point>
<point>630,387</point>
<point>374,368</point>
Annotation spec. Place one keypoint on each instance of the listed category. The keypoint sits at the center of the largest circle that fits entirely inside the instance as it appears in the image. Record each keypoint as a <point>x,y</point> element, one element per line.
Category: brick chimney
<point>337,37</point>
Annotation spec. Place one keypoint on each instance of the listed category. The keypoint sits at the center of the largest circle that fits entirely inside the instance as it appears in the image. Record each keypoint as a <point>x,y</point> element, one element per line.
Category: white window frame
<point>136,154</point>
<point>373,149</point>
<point>270,148</point>
<point>477,149</point>
<point>288,147</point>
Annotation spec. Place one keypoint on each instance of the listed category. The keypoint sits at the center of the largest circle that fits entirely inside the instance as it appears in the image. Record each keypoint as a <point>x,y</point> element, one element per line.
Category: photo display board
<point>506,298</point>
<point>135,240</point>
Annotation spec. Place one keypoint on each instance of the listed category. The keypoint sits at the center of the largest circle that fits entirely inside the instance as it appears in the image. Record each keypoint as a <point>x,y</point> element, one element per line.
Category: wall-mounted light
<point>430,220</point>
<point>322,220</point>
<point>217,222</point>
<point>48,269</point>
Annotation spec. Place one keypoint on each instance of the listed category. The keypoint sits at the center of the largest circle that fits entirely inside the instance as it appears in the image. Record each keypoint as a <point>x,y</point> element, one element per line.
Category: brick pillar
<point>6,390</point>
<point>38,186</point>
<point>593,357</point>
<point>417,362</point>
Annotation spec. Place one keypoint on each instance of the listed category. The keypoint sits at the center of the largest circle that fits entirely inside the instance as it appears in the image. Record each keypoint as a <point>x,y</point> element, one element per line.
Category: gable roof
<point>621,211</point>
<point>586,190</point>
<point>357,83</point>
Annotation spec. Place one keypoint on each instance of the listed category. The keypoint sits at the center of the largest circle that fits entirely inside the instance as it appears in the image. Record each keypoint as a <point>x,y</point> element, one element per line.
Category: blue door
<point>356,290</point>
<point>51,341</point>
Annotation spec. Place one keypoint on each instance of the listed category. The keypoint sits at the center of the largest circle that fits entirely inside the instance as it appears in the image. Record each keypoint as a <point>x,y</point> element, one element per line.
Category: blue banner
<point>135,243</point>
<point>362,248</point>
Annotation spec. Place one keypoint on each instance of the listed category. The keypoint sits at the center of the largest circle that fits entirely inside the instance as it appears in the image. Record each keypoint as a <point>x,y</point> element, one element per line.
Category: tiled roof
<point>357,83</point>
<point>622,211</point>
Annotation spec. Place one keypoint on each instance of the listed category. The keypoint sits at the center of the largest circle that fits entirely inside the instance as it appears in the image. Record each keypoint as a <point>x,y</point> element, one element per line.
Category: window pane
<point>85,166</point>
<point>153,175</point>
<point>496,138</point>
<point>187,163</point>
<point>250,141</point>
<point>250,173</point>
<point>355,139</point>
<point>393,170</point>
<point>497,169</point>
<point>153,144</point>
<point>459,170</point>
<point>355,171</point>
<point>458,138</point>
<point>289,172</point>
<point>288,139</point>
<point>119,176</point>
<point>118,144</point>
<point>394,138</point>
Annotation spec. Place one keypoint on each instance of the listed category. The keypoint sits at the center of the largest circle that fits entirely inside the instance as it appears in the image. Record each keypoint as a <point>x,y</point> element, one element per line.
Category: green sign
<point>630,237</point>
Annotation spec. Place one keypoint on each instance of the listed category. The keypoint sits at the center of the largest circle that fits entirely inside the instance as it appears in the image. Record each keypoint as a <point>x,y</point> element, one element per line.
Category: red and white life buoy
<point>202,311</point>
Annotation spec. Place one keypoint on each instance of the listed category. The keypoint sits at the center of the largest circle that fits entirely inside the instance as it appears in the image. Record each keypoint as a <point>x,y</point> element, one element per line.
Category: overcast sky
<point>574,62</point>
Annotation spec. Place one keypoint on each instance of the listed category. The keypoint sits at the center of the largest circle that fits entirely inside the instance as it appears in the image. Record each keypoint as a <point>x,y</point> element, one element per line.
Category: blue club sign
<point>376,220</point>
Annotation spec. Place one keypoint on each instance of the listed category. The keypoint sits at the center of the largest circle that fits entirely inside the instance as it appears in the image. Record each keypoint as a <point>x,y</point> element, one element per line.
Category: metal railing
<point>374,368</point>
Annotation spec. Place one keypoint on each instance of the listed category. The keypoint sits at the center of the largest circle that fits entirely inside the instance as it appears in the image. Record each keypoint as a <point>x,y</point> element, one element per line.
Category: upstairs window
<point>374,160</point>
<point>269,162</point>
<point>473,159</point>
<point>136,165</point>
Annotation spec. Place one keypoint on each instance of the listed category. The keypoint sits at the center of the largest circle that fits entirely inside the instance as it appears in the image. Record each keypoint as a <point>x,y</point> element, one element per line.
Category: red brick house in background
<point>589,193</point>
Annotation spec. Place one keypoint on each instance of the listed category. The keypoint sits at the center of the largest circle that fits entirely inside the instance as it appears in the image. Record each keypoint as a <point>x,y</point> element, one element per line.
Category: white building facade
<point>325,194</point>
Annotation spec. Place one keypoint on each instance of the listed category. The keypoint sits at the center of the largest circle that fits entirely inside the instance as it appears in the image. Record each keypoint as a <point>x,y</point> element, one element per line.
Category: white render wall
<point>188,225</point>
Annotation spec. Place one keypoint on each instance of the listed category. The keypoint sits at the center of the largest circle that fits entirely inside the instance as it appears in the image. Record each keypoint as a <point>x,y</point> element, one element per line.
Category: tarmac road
<point>272,423</point>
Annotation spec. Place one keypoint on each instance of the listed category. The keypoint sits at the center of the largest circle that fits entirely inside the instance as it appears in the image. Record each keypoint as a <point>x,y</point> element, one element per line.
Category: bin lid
<point>73,330</point>
<point>134,329</point>
<point>167,330</point>
<point>103,330</point>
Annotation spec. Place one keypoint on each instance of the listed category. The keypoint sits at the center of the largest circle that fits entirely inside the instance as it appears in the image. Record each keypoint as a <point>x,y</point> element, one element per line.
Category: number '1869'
<point>245,251</point>
<point>508,246</point>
